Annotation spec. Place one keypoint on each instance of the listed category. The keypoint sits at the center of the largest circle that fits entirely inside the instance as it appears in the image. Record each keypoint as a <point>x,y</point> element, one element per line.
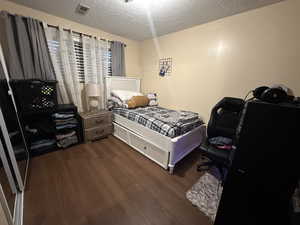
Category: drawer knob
<point>99,121</point>
<point>145,147</point>
<point>99,131</point>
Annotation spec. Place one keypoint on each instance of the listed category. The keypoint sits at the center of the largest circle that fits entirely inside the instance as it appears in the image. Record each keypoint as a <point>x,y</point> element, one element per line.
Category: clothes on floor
<point>65,120</point>
<point>62,136</point>
<point>66,138</point>
<point>67,141</point>
<point>42,143</point>
<point>66,126</point>
<point>62,123</point>
<point>63,115</point>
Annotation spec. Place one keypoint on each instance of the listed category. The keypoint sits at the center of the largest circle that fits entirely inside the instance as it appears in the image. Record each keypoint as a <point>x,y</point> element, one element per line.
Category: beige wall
<point>227,57</point>
<point>132,50</point>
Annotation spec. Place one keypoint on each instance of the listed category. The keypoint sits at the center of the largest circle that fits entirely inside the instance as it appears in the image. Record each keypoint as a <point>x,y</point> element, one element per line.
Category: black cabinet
<point>45,140</point>
<point>265,169</point>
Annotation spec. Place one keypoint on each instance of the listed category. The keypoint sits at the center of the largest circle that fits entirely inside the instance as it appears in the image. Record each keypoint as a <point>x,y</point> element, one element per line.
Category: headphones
<point>271,95</point>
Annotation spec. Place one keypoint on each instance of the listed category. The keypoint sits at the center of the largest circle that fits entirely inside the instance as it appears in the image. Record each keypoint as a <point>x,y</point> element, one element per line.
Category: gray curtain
<point>25,48</point>
<point>118,58</point>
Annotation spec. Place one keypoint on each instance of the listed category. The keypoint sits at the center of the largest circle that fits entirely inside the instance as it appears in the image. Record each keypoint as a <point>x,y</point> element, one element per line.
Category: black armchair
<point>223,122</point>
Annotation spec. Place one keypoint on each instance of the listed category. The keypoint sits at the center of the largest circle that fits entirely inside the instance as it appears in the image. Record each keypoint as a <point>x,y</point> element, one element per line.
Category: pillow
<point>137,101</point>
<point>110,105</point>
<point>125,95</point>
<point>115,102</point>
<point>153,99</point>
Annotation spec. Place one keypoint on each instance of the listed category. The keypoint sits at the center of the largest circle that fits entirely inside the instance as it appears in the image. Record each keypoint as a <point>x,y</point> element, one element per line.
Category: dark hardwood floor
<point>108,183</point>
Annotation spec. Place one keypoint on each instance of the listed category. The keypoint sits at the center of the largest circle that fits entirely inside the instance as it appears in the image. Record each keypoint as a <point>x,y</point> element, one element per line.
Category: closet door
<point>14,149</point>
<point>5,212</point>
<point>12,133</point>
<point>8,188</point>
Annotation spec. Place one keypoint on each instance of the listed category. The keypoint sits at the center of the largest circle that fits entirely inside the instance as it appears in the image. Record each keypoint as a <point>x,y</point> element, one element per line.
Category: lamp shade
<point>93,90</point>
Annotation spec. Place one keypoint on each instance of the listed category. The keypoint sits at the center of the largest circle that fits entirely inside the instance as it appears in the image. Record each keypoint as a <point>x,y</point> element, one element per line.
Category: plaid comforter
<point>167,122</point>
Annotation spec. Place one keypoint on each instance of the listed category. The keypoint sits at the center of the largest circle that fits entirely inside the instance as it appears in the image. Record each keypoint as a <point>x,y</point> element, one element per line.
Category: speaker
<point>258,91</point>
<point>271,95</point>
<point>274,95</point>
<point>265,168</point>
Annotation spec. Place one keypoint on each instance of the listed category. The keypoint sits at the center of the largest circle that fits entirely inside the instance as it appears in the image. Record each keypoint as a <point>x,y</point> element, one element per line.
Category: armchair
<point>223,122</point>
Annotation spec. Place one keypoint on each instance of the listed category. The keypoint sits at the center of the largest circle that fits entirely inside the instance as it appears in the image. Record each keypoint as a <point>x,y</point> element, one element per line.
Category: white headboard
<point>122,83</point>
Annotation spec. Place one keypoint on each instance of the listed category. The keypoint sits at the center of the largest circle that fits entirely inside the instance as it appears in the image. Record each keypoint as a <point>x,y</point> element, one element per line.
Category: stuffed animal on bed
<point>137,101</point>
<point>153,99</point>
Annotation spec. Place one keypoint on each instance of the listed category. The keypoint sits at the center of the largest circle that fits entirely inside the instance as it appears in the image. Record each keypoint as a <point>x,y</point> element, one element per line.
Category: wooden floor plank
<point>107,182</point>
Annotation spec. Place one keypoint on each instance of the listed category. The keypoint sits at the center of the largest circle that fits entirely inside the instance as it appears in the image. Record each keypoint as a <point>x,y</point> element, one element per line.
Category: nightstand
<point>96,125</point>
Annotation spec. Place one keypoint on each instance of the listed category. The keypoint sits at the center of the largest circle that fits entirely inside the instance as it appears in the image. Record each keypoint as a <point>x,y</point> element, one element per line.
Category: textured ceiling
<point>140,19</point>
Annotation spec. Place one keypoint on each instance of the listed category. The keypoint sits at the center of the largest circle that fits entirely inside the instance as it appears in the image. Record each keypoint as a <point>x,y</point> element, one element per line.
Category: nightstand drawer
<point>96,121</point>
<point>97,132</point>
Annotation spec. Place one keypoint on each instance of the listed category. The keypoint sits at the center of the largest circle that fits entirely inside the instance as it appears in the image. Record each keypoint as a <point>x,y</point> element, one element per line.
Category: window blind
<point>83,55</point>
<point>79,57</point>
<point>106,58</point>
<point>89,57</point>
<point>109,60</point>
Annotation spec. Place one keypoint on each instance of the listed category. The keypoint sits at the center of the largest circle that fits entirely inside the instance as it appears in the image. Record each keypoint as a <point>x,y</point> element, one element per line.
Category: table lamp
<point>93,94</point>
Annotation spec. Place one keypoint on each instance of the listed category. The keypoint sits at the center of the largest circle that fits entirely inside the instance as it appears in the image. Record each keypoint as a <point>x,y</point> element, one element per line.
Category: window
<point>109,61</point>
<point>81,57</point>
<point>78,48</point>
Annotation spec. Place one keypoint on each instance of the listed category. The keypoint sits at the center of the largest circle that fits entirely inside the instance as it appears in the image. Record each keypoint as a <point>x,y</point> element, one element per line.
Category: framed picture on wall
<point>165,67</point>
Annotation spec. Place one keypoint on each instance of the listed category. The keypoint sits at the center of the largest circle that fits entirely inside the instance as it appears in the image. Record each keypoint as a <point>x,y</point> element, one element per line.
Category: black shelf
<point>296,219</point>
<point>46,116</point>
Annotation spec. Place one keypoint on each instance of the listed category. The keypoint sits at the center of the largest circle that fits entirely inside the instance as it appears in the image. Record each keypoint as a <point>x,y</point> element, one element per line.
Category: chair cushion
<point>221,156</point>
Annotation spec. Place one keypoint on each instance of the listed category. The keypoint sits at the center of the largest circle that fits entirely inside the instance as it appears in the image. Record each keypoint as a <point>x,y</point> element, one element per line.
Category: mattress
<point>170,123</point>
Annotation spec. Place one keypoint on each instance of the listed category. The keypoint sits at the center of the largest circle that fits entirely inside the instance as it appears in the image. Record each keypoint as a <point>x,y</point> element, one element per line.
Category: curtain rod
<point>50,25</point>
<point>102,39</point>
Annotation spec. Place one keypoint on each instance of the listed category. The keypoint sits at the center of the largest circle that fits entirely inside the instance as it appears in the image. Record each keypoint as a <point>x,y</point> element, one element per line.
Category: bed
<point>164,144</point>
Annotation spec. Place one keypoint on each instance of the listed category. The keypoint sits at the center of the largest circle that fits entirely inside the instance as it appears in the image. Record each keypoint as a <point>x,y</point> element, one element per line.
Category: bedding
<point>124,95</point>
<point>167,122</point>
<point>116,102</point>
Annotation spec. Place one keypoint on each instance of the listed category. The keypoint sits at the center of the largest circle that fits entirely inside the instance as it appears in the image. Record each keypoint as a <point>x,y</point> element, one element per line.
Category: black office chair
<point>223,122</point>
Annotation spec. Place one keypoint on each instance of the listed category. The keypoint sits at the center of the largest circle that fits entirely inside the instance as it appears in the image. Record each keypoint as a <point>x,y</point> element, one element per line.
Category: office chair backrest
<point>225,117</point>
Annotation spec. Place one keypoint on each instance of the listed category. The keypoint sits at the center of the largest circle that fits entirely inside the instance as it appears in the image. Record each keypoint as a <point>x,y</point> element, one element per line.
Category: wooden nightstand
<point>96,125</point>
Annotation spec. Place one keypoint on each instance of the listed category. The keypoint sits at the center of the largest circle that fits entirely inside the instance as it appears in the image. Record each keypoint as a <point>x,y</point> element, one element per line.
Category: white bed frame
<point>165,151</point>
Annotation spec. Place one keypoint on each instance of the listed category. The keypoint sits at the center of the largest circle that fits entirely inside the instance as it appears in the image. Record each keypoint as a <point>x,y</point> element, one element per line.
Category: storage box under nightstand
<point>96,125</point>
